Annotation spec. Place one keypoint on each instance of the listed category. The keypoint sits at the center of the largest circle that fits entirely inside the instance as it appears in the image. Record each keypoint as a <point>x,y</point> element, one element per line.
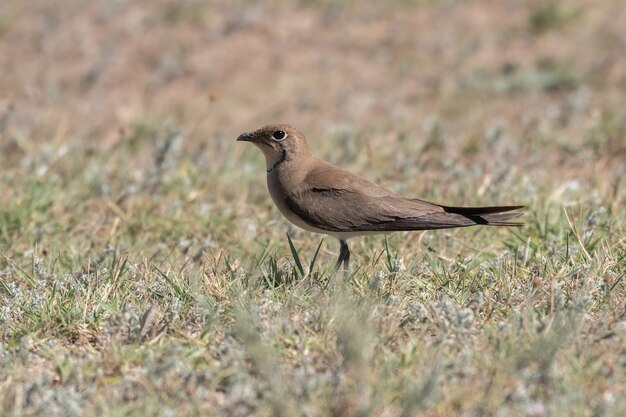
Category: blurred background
<point>126,96</point>
<point>221,67</point>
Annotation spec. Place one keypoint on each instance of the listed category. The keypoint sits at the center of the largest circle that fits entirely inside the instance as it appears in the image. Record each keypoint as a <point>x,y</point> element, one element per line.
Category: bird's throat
<point>274,162</point>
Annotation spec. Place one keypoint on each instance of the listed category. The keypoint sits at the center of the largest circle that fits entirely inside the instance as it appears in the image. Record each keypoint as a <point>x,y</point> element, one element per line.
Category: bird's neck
<point>292,168</point>
<point>287,159</point>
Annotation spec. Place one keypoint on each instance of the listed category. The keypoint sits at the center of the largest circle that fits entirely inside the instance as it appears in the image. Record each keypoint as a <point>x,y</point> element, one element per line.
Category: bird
<point>322,198</point>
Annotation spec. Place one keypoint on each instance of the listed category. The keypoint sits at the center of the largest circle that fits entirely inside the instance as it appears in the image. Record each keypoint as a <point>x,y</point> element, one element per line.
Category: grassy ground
<point>145,271</point>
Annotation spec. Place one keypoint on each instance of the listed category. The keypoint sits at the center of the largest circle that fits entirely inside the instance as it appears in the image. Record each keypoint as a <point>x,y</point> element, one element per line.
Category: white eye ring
<point>279,135</point>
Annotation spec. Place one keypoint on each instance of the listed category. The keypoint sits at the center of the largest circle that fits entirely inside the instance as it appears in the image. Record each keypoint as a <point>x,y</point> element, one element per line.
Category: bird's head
<point>278,142</point>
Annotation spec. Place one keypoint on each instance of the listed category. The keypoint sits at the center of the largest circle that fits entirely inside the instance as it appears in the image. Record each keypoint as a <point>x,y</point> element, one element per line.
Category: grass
<point>145,271</point>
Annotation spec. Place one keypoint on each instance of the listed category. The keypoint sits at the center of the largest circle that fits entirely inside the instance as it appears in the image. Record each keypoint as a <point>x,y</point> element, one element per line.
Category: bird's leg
<point>344,256</point>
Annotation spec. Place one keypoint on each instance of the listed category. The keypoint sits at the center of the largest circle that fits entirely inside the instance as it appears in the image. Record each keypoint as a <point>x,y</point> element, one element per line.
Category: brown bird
<point>322,198</point>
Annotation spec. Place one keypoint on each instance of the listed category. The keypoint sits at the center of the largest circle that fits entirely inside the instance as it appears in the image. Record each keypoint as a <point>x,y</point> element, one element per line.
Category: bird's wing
<point>335,200</point>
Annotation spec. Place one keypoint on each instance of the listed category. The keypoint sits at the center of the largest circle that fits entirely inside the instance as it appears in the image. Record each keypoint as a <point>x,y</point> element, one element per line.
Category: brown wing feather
<point>441,221</point>
<point>339,210</point>
<point>335,200</point>
<point>325,176</point>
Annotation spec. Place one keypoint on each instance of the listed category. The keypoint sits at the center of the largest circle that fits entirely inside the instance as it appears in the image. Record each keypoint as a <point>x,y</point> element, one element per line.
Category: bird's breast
<point>277,189</point>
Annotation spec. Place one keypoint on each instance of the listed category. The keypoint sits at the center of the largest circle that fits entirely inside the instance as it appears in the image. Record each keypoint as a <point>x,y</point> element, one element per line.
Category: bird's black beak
<point>246,137</point>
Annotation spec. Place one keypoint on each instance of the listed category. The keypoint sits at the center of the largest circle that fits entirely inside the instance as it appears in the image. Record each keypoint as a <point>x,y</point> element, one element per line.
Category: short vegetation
<point>144,270</point>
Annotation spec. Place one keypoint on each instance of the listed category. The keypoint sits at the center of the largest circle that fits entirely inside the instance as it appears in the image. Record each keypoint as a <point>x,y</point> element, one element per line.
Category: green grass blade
<point>180,291</point>
<point>317,251</point>
<point>296,257</point>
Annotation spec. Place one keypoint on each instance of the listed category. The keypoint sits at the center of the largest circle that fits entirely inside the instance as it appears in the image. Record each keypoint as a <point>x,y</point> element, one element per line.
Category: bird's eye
<point>279,135</point>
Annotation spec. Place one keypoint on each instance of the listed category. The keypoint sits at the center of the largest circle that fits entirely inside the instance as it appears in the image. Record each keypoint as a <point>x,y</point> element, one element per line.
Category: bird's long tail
<point>489,216</point>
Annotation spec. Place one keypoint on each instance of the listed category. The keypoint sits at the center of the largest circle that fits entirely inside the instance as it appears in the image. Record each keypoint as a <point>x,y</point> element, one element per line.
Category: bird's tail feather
<point>497,219</point>
<point>479,210</point>
<point>489,216</point>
